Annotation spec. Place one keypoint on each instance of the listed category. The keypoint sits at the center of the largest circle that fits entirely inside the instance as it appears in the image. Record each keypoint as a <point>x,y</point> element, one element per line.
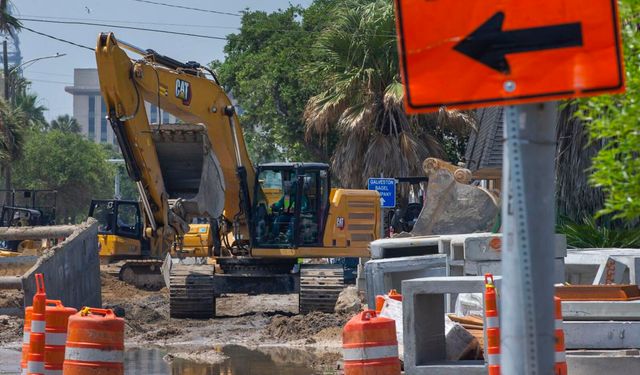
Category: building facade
<point>90,110</point>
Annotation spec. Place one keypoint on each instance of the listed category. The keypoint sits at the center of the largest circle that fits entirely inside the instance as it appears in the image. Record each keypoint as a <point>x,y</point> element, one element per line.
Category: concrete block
<point>381,275</point>
<point>610,362</point>
<point>488,246</point>
<point>475,268</point>
<point>404,247</point>
<point>601,310</point>
<point>424,306</point>
<point>601,335</point>
<point>592,266</point>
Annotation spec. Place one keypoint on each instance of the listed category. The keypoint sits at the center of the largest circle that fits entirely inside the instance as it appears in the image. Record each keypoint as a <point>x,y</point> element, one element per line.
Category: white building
<point>90,111</point>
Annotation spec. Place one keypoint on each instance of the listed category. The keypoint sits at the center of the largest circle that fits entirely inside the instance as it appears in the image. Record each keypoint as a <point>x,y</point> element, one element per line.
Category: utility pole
<point>528,212</point>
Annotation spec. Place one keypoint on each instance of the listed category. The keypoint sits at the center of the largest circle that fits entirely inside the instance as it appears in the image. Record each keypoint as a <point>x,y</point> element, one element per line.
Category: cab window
<point>103,213</point>
<point>128,222</point>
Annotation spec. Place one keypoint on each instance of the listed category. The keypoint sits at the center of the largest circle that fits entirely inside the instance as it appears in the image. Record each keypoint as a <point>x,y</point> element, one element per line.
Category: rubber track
<point>320,286</point>
<point>191,292</point>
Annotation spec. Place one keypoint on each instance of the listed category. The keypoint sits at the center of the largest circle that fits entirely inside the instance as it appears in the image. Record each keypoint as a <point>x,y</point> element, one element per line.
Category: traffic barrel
<point>57,318</point>
<point>95,343</point>
<point>370,346</point>
<point>393,294</point>
<point>492,325</point>
<point>560,357</point>
<point>35,358</point>
<point>25,340</point>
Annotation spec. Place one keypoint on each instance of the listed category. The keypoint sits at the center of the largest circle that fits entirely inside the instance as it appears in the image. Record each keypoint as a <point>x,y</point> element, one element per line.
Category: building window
<point>165,117</point>
<point>92,118</point>
<point>103,122</point>
<point>154,114</point>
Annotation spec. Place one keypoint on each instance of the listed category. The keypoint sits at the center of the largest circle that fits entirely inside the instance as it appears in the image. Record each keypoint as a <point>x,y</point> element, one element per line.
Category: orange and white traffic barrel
<point>25,340</point>
<point>95,343</point>
<point>393,294</point>
<point>560,357</point>
<point>35,358</point>
<point>57,317</point>
<point>492,325</point>
<point>370,346</point>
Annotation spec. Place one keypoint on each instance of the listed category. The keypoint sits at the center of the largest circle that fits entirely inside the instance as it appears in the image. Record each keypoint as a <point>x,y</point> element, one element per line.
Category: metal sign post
<point>528,212</point>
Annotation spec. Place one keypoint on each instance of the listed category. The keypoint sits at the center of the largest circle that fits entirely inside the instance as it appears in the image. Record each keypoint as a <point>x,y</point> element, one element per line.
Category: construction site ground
<point>268,323</point>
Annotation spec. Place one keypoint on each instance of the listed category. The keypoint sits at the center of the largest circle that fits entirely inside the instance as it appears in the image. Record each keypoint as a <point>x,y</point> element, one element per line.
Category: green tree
<point>362,97</point>
<point>613,120</point>
<point>263,69</point>
<point>32,111</point>
<point>14,124</point>
<point>128,188</point>
<point>65,123</point>
<point>75,167</point>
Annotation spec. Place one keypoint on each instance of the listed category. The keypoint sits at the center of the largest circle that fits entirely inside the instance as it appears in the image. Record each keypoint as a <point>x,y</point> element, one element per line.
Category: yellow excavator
<point>200,195</point>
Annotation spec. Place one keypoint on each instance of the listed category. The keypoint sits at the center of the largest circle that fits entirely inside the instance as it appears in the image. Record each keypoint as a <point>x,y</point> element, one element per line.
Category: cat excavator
<point>196,175</point>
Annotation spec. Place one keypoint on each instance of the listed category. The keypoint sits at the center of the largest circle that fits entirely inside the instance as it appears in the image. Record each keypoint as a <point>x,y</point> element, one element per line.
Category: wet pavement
<point>240,361</point>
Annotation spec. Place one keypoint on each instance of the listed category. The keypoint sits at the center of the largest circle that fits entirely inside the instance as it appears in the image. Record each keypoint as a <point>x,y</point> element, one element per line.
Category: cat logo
<point>183,91</point>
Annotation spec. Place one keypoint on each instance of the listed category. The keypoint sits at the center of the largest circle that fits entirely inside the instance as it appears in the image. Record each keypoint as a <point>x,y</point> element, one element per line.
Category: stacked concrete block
<point>381,275</point>
<point>598,362</point>
<point>603,266</point>
<point>424,307</point>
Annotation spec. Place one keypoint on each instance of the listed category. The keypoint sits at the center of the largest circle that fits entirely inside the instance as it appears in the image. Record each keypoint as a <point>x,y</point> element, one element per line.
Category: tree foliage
<point>614,119</point>
<point>65,123</point>
<point>362,97</point>
<point>263,69</point>
<point>75,167</point>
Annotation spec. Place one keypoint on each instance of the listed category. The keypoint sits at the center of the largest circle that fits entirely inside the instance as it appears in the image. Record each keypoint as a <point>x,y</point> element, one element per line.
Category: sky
<point>50,76</point>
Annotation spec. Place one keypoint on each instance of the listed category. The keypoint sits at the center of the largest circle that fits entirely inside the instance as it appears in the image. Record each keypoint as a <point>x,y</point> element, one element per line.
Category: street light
<point>8,72</point>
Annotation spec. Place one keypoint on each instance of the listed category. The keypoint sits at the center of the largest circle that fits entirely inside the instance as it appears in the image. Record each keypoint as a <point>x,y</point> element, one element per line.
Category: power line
<point>124,27</point>
<point>132,22</point>
<point>188,8</point>
<point>48,81</point>
<point>56,38</point>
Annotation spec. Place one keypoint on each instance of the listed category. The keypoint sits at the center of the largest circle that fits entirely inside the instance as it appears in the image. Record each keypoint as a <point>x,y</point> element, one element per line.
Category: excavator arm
<point>197,168</point>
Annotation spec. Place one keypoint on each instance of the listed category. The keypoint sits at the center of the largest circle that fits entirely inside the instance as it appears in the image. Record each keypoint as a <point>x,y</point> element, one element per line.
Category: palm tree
<point>363,100</point>
<point>13,123</point>
<point>65,123</point>
<point>33,112</point>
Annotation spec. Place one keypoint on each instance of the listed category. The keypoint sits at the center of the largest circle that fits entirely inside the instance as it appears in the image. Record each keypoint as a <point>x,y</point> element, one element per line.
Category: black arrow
<point>489,44</point>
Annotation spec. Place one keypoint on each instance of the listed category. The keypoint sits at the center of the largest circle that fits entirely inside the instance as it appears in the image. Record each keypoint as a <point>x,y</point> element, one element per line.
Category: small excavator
<point>201,197</point>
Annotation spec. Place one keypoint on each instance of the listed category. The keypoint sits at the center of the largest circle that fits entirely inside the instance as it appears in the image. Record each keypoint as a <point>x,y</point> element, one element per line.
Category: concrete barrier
<point>603,266</point>
<point>424,305</point>
<point>381,275</point>
<point>71,270</point>
<point>610,362</point>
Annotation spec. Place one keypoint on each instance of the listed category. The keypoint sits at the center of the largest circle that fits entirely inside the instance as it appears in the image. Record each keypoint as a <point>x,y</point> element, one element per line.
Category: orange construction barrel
<point>57,317</point>
<point>95,343</point>
<point>393,294</point>
<point>25,339</point>
<point>370,346</point>
<point>35,358</point>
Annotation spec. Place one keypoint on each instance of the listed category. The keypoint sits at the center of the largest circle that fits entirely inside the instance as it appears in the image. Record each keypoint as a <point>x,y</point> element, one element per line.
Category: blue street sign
<point>386,187</point>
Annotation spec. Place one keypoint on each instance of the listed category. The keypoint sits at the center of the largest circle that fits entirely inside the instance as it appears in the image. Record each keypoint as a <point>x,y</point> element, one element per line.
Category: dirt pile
<point>10,329</point>
<point>11,299</point>
<point>297,327</point>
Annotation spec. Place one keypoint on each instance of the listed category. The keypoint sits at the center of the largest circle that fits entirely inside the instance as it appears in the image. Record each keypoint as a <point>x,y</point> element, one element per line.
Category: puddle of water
<point>240,361</point>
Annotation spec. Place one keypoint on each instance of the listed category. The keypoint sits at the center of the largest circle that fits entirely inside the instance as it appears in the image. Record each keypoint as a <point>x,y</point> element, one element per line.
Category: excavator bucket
<point>452,206</point>
<point>192,174</point>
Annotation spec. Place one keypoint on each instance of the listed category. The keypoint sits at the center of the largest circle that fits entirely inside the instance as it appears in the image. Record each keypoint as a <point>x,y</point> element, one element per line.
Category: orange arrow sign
<point>472,53</point>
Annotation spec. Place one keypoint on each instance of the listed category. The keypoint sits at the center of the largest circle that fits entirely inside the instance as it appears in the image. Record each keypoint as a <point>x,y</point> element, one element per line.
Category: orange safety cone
<point>393,294</point>
<point>370,346</point>
<point>57,318</point>
<point>95,343</point>
<point>561,361</point>
<point>35,363</point>
<point>25,340</point>
<point>492,325</point>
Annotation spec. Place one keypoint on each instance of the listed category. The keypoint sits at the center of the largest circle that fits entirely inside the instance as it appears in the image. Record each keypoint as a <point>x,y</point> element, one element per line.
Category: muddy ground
<point>265,322</point>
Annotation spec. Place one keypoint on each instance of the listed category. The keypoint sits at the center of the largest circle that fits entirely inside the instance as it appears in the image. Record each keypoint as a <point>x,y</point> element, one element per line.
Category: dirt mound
<point>10,328</point>
<point>11,299</point>
<point>289,328</point>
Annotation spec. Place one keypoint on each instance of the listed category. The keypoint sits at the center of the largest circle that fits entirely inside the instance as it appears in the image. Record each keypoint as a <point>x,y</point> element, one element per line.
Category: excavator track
<point>320,285</point>
<point>141,273</point>
<point>191,292</point>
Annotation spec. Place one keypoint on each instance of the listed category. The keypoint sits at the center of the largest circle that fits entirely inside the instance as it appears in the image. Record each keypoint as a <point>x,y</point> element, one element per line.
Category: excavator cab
<point>296,218</point>
<point>119,228</point>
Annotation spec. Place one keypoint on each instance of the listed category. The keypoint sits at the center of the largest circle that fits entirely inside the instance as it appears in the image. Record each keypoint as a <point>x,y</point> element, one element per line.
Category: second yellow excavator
<point>196,177</point>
